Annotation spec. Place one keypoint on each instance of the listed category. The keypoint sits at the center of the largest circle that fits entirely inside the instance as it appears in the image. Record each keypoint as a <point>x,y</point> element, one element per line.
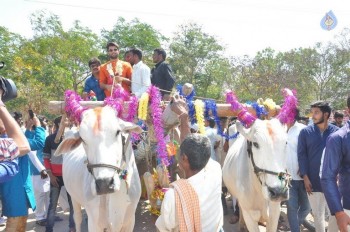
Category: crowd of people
<point>318,159</point>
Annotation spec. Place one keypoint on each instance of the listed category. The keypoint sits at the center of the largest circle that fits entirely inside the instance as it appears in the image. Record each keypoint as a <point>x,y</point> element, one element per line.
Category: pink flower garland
<point>133,103</point>
<point>155,98</point>
<point>73,108</point>
<point>116,101</point>
<point>116,104</point>
<point>288,110</point>
<point>246,118</point>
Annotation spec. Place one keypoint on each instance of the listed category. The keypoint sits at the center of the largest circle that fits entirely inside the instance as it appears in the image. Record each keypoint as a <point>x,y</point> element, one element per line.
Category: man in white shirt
<point>199,193</point>
<point>141,74</point>
<point>298,204</point>
<point>211,132</point>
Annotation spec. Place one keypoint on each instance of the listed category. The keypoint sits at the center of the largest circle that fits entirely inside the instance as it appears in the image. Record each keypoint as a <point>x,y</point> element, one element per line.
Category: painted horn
<point>73,108</point>
<point>246,118</point>
<point>289,109</point>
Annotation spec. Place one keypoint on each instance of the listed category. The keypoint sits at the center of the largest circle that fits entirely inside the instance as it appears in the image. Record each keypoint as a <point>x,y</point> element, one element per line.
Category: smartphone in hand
<point>31,114</point>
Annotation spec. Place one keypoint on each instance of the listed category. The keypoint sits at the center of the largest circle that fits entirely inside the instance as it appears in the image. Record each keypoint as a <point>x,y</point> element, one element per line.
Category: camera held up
<point>8,86</point>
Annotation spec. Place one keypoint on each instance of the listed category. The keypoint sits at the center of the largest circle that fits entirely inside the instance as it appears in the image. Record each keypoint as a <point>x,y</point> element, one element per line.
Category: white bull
<point>254,172</point>
<point>103,146</point>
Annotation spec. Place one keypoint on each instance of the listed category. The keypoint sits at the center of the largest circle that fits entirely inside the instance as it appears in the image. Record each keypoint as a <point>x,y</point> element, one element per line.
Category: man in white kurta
<point>141,74</point>
<point>207,184</point>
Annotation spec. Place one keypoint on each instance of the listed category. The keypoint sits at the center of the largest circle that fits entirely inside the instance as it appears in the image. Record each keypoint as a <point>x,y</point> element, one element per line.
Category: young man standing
<point>141,75</point>
<point>162,75</point>
<point>338,119</point>
<point>337,163</point>
<point>194,203</point>
<point>298,206</point>
<point>115,71</point>
<point>311,142</point>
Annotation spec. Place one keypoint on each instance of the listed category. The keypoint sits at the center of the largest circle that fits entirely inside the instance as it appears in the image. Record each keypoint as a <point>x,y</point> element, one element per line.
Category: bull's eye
<point>256,145</point>
<point>118,132</point>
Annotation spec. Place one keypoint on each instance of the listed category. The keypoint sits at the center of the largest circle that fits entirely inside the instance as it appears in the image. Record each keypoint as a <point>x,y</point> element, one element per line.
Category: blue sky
<point>242,26</point>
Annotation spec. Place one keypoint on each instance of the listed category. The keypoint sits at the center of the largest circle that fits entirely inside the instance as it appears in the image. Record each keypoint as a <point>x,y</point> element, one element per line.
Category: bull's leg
<point>93,224</point>
<point>274,214</point>
<point>78,218</point>
<point>251,221</point>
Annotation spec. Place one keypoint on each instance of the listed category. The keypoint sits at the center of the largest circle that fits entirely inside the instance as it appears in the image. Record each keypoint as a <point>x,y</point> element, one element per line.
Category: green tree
<point>197,58</point>
<point>133,34</point>
<point>54,60</point>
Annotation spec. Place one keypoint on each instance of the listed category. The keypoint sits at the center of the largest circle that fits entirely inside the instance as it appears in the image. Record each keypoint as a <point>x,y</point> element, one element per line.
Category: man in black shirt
<point>162,75</point>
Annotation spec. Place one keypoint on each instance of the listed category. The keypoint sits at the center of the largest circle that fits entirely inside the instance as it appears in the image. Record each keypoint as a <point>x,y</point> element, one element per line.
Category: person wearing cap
<point>115,71</point>
<point>311,142</point>
<point>92,82</point>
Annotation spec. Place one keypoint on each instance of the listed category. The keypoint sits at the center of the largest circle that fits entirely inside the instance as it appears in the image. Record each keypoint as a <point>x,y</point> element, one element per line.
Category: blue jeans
<point>298,206</point>
<point>51,213</point>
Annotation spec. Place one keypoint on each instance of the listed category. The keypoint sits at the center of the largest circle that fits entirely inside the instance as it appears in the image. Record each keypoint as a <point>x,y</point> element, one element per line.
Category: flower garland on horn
<point>210,105</point>
<point>155,98</point>
<point>199,105</point>
<point>259,109</point>
<point>246,118</point>
<point>288,110</point>
<point>116,101</point>
<point>73,108</point>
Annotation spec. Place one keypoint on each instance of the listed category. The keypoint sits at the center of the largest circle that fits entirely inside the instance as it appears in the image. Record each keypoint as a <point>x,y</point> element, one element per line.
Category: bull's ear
<point>130,127</point>
<point>67,145</point>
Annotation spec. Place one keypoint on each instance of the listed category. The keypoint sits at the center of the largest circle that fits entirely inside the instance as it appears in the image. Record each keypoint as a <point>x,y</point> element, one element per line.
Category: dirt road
<point>144,222</point>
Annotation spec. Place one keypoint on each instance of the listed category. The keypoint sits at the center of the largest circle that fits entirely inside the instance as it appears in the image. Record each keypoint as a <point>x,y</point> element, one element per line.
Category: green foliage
<point>197,58</point>
<point>133,34</point>
<point>55,59</point>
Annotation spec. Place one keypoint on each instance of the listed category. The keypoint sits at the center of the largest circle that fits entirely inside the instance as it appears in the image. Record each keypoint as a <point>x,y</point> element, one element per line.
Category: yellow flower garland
<point>143,106</point>
<point>199,106</point>
<point>269,104</point>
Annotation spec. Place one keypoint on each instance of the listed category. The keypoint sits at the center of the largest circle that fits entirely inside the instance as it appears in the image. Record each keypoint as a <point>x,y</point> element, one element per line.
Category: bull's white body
<point>242,182</point>
<point>113,211</point>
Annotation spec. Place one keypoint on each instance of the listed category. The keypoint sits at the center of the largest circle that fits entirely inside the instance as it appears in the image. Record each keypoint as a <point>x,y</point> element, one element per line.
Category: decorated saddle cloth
<point>187,206</point>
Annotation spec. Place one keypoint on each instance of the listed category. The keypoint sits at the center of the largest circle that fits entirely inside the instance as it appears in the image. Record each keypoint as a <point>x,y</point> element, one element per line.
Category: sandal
<point>283,227</point>
<point>41,222</point>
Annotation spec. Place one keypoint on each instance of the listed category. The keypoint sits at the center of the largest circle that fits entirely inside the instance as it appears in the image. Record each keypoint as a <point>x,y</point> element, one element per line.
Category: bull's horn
<point>289,109</point>
<point>73,107</point>
<point>246,118</point>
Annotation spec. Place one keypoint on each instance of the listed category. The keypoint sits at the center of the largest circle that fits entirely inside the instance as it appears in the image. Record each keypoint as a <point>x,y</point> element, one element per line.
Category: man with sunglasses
<point>115,71</point>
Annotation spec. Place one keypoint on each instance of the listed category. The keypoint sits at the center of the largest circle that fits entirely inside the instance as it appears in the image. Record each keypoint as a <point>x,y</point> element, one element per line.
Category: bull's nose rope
<point>282,176</point>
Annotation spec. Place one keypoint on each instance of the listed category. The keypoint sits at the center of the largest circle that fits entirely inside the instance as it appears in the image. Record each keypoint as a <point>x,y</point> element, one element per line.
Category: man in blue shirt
<point>92,82</point>
<point>337,162</point>
<point>311,142</point>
